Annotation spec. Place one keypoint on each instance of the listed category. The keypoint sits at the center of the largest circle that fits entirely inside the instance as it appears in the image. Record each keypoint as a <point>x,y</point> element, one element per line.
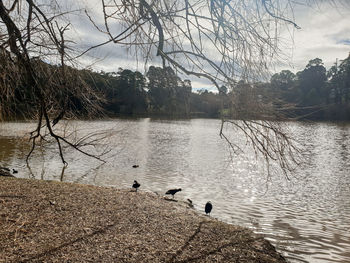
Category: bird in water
<point>135,166</point>
<point>135,185</point>
<point>173,191</point>
<point>14,171</point>
<point>208,207</point>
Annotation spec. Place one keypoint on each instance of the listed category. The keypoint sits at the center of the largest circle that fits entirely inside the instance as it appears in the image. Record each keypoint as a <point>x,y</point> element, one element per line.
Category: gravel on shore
<point>47,221</point>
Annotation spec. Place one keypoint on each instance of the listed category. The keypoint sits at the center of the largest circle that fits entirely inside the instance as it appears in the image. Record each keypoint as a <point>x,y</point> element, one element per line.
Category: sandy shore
<point>43,221</point>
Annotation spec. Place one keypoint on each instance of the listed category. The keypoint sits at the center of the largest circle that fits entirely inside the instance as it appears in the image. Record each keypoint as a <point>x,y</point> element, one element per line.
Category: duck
<point>190,202</point>
<point>5,173</point>
<point>173,191</point>
<point>208,208</point>
<point>136,185</point>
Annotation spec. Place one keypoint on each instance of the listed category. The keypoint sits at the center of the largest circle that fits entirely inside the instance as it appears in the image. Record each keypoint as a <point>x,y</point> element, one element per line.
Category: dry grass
<point>43,221</point>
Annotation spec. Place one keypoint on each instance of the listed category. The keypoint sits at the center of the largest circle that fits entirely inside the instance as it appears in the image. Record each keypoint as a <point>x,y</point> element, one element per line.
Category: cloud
<point>344,41</point>
<point>324,33</point>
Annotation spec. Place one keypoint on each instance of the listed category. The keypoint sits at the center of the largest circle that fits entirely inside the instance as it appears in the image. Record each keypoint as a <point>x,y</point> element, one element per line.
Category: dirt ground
<point>45,221</point>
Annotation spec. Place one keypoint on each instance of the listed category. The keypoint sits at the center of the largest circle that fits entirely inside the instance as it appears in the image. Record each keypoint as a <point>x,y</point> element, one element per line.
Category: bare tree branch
<point>49,90</point>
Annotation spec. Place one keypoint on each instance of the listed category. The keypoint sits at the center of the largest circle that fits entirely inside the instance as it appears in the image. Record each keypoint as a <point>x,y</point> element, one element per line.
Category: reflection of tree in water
<point>6,150</point>
<point>11,149</point>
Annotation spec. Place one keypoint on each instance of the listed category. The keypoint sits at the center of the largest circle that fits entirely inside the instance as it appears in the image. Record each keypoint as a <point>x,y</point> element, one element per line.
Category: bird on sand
<point>208,207</point>
<point>173,191</point>
<point>14,171</point>
<point>135,185</point>
<point>190,203</point>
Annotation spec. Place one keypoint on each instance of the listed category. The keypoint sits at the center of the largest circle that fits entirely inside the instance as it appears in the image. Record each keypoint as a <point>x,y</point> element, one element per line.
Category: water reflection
<point>307,218</point>
<point>7,150</point>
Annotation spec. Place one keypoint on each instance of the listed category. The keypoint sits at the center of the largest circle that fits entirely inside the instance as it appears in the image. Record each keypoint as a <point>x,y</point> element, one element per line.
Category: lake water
<point>307,218</point>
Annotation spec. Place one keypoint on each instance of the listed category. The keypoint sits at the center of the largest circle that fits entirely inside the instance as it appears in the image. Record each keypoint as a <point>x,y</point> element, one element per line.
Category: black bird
<point>4,172</point>
<point>14,171</point>
<point>136,185</point>
<point>135,166</point>
<point>208,208</point>
<point>173,191</point>
<point>190,203</point>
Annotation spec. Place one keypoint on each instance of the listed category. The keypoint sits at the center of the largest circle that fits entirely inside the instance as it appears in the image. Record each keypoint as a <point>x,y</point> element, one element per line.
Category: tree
<point>130,93</point>
<point>340,81</point>
<point>167,93</point>
<point>184,95</point>
<point>313,91</point>
<point>284,86</point>
<point>284,80</point>
<point>312,82</point>
<point>206,104</point>
<point>223,90</point>
<point>161,83</point>
<point>339,89</point>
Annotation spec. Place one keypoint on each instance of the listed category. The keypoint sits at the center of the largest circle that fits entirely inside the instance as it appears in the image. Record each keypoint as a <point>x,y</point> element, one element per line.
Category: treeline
<point>158,92</point>
<point>125,92</point>
<point>313,93</point>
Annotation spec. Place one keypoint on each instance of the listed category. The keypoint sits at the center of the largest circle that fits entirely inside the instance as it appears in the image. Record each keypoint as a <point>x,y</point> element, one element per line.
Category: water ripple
<point>306,218</point>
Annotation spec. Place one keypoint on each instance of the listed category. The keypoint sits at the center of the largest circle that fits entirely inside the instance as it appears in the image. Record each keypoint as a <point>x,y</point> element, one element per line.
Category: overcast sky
<point>324,33</point>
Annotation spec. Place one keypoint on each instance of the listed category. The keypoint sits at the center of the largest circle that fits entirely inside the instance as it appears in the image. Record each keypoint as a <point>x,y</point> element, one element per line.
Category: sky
<point>324,33</point>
